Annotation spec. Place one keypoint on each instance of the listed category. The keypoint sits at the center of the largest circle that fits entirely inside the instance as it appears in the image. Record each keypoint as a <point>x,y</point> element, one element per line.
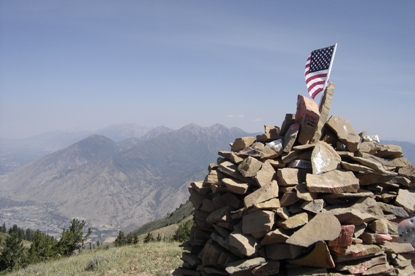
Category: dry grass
<point>158,258</point>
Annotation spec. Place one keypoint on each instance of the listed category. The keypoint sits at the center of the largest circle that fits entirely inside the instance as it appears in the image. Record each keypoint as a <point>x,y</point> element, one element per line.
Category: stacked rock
<point>306,198</point>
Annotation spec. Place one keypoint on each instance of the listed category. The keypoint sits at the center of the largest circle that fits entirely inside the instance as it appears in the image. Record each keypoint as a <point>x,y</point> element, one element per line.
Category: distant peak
<point>191,126</point>
<point>95,139</point>
<point>218,126</point>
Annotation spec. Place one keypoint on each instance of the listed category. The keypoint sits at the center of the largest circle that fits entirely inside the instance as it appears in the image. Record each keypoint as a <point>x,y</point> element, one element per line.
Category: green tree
<point>73,238</point>
<point>182,233</point>
<point>149,237</point>
<point>3,228</point>
<point>130,238</point>
<point>43,247</point>
<point>135,239</point>
<point>29,234</point>
<point>13,255</point>
<point>120,240</point>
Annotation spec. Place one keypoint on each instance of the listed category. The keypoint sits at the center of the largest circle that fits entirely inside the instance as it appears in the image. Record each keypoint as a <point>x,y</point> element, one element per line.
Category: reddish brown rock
<point>222,214</point>
<point>351,215</point>
<point>211,178</point>
<point>265,151</point>
<point>195,198</point>
<point>266,174</point>
<point>275,236</point>
<point>356,167</point>
<point>360,266</point>
<point>345,237</point>
<point>324,110</point>
<point>335,182</point>
<point>394,247</point>
<point>389,151</point>
<point>262,194</point>
<point>294,222</point>
<point>406,199</point>
<point>345,132</point>
<point>230,169</point>
<point>241,143</point>
<point>303,193</point>
<point>271,204</point>
<point>373,163</point>
<point>330,231</point>
<point>199,187</point>
<point>244,244</point>
<point>370,147</point>
<point>282,251</point>
<point>227,199</point>
<point>288,121</point>
<point>249,167</point>
<point>357,250</point>
<point>207,205</point>
<point>214,255</point>
<point>283,213</point>
<point>244,265</point>
<point>235,186</point>
<point>324,158</point>
<point>290,176</point>
<point>270,133</point>
<point>318,257</point>
<point>315,206</point>
<point>289,197</point>
<point>307,116</point>
<point>387,179</point>
<point>258,223</point>
<point>382,269</point>
<point>231,156</point>
<point>392,209</point>
<point>381,226</point>
<point>290,137</point>
<point>191,259</point>
<point>373,238</point>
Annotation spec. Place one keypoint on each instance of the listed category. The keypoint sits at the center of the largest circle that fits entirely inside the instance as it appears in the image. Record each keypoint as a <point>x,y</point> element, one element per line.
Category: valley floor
<point>156,258</point>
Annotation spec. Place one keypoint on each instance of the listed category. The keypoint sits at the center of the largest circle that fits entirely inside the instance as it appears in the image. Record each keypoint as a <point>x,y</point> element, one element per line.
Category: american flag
<point>317,69</point>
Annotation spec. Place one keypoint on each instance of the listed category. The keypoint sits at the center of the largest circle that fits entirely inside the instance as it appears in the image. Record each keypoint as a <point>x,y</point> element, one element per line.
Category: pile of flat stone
<point>311,197</point>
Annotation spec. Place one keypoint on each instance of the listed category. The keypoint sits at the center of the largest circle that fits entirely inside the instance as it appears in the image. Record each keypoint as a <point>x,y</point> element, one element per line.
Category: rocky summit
<point>311,197</point>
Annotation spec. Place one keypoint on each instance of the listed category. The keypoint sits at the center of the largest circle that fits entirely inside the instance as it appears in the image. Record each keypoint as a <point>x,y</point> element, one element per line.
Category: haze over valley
<point>116,179</point>
<point>112,185</point>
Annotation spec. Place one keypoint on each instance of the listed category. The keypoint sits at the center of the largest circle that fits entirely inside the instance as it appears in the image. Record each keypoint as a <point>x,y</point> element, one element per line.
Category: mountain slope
<point>17,152</point>
<point>114,189</point>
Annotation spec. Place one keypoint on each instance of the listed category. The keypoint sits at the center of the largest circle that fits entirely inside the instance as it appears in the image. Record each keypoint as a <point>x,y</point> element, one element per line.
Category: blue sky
<point>89,64</point>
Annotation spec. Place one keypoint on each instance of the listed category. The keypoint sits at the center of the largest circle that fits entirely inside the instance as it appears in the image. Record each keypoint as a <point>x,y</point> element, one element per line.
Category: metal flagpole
<point>331,63</point>
<point>328,76</point>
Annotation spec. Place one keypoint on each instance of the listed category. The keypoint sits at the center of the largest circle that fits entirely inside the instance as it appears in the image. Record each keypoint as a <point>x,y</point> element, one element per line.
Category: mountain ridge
<point>121,189</point>
<point>117,185</point>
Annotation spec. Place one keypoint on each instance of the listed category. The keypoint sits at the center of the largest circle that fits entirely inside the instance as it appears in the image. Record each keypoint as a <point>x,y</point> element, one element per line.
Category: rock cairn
<point>311,197</point>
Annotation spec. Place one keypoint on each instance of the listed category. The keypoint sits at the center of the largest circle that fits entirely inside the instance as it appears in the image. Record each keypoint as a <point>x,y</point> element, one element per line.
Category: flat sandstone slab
<point>334,182</point>
<point>330,231</point>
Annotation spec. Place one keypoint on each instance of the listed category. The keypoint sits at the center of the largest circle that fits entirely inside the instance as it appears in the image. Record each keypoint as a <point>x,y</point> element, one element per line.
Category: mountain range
<point>17,152</point>
<point>117,181</point>
<point>113,185</point>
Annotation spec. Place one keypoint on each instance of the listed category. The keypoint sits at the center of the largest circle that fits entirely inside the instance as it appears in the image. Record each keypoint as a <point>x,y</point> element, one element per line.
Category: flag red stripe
<point>316,92</point>
<point>313,77</point>
<point>316,80</point>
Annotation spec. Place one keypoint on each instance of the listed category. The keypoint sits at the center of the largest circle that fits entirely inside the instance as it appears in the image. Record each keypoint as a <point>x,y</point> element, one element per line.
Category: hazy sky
<point>88,64</point>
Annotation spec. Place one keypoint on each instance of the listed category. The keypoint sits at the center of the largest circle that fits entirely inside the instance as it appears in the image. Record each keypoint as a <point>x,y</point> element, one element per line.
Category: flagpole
<point>331,63</point>
<point>328,76</point>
